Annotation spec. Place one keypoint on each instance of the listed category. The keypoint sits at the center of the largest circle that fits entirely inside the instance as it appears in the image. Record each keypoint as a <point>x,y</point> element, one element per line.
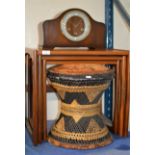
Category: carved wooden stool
<point>81,124</point>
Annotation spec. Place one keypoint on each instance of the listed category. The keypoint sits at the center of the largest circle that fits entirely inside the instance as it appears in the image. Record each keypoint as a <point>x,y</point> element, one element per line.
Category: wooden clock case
<point>53,36</point>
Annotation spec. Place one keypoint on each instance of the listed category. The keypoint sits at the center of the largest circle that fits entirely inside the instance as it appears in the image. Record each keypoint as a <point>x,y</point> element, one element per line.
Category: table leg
<point>34,100</point>
<point>126,113</point>
<point>40,101</point>
<point>117,98</point>
<point>44,100</point>
<point>123,96</point>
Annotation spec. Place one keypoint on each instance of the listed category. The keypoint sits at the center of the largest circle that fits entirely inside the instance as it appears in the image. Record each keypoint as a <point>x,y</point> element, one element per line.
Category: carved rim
<point>85,19</point>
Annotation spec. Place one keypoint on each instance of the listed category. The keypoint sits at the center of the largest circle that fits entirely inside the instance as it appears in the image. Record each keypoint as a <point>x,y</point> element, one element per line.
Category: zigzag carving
<point>81,98</point>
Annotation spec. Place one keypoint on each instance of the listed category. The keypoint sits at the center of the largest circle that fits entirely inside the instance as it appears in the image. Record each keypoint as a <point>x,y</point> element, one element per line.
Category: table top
<point>105,52</point>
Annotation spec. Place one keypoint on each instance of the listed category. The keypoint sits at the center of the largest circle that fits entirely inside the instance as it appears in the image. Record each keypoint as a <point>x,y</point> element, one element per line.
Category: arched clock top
<point>74,28</point>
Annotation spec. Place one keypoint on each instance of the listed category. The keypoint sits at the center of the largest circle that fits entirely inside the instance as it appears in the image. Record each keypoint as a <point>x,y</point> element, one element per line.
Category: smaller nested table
<point>79,87</point>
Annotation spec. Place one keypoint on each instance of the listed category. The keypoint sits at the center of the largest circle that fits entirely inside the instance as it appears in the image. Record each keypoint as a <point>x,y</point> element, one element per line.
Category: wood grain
<point>53,36</point>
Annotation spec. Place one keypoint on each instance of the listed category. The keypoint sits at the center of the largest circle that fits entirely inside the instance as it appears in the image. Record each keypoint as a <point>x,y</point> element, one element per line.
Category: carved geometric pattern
<point>93,126</point>
<point>93,94</point>
<point>75,116</point>
<point>77,111</point>
<point>61,124</point>
<point>83,98</point>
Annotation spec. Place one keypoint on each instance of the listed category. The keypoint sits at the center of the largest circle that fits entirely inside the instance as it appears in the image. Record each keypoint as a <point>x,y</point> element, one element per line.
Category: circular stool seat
<point>79,88</point>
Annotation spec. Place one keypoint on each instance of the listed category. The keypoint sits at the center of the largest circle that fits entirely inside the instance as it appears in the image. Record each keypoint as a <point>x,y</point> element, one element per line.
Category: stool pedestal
<point>81,123</point>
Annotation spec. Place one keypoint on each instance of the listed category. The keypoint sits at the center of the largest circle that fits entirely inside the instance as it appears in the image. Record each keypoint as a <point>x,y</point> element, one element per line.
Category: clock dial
<point>75,25</point>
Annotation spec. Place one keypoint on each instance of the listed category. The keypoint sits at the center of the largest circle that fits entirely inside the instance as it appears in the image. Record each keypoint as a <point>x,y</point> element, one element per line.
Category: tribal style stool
<point>79,87</point>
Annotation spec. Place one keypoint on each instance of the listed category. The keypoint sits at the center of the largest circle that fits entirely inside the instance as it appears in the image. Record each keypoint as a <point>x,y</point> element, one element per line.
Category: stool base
<point>80,146</point>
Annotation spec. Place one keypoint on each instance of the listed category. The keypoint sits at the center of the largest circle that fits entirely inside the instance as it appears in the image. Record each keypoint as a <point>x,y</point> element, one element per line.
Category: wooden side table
<point>118,58</point>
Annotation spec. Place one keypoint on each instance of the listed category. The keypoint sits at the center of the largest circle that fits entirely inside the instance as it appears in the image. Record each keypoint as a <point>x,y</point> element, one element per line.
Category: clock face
<point>75,25</point>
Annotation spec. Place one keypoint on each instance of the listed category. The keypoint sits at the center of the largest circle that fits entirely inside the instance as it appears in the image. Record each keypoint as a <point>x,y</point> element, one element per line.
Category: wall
<point>121,30</point>
<point>39,10</point>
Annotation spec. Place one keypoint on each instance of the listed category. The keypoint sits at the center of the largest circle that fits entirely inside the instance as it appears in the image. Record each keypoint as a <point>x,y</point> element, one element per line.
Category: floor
<point>120,146</point>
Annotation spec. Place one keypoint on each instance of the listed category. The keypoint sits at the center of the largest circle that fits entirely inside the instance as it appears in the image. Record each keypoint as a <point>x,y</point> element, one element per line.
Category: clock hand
<point>79,25</point>
<point>76,25</point>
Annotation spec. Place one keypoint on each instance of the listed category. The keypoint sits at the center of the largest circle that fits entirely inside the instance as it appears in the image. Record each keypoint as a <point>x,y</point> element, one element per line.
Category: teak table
<point>40,59</point>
